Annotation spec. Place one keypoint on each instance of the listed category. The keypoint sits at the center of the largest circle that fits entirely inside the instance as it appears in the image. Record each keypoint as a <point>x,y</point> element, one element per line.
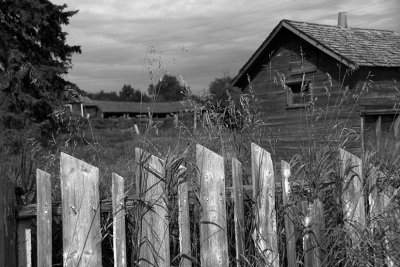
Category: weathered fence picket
<point>314,237</point>
<point>265,234</point>
<point>44,219</point>
<point>184,220</point>
<point>8,237</point>
<point>352,196</point>
<point>154,248</point>
<point>213,229</point>
<point>80,213</point>
<point>24,234</point>
<point>288,215</point>
<point>118,211</point>
<point>380,207</point>
<point>237,196</point>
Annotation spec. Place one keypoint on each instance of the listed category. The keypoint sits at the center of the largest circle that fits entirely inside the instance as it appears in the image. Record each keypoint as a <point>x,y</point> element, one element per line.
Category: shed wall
<point>334,88</point>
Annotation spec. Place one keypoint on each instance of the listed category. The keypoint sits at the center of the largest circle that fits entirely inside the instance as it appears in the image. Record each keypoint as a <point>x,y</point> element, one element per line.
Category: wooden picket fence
<point>81,208</point>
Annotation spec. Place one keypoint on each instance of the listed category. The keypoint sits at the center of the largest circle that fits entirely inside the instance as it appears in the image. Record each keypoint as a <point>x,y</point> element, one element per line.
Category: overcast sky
<point>136,41</point>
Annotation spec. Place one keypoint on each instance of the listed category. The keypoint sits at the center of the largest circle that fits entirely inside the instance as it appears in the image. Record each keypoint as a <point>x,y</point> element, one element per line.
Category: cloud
<point>123,41</point>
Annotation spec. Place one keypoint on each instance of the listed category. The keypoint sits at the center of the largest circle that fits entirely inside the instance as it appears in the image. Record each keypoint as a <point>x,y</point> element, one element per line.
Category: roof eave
<point>320,46</point>
<point>239,77</point>
<point>254,57</point>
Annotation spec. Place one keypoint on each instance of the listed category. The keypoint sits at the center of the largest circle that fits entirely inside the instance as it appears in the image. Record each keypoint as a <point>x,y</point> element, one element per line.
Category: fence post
<point>314,238</point>
<point>44,219</point>
<point>24,237</point>
<point>213,229</point>
<point>154,250</point>
<point>8,223</point>
<point>288,215</point>
<point>380,207</point>
<point>80,213</point>
<point>237,196</point>
<point>265,234</point>
<point>118,209</point>
<point>184,220</point>
<point>352,195</point>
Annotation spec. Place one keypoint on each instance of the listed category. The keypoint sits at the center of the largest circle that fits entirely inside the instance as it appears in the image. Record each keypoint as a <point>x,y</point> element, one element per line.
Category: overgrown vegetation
<point>226,127</point>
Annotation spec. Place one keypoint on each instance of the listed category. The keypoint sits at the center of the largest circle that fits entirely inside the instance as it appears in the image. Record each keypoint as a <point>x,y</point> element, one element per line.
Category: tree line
<point>168,88</point>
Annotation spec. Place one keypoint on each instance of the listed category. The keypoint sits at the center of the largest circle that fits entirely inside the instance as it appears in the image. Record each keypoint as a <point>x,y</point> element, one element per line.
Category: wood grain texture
<point>119,235</point>
<point>44,219</point>
<point>317,227</point>
<point>184,219</point>
<point>25,243</point>
<point>213,228</point>
<point>8,224</point>
<point>288,215</point>
<point>352,195</point>
<point>237,196</point>
<point>80,213</point>
<point>290,56</point>
<point>263,178</point>
<point>155,224</point>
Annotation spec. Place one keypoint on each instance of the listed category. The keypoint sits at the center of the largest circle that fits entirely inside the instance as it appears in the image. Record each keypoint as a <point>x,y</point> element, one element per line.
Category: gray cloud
<point>123,41</point>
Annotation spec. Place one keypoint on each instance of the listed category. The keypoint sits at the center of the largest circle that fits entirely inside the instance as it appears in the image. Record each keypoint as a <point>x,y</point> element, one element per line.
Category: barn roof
<point>355,47</point>
<point>141,107</point>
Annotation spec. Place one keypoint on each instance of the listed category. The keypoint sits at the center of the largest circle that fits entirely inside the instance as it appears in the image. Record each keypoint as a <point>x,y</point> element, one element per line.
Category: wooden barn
<point>314,82</point>
<point>160,110</point>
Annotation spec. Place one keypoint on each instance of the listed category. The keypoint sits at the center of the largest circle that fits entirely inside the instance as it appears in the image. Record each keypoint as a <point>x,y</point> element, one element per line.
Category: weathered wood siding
<point>287,129</point>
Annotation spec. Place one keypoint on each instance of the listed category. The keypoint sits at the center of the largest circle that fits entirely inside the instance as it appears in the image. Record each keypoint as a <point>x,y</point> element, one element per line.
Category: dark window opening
<point>298,94</point>
<point>381,131</point>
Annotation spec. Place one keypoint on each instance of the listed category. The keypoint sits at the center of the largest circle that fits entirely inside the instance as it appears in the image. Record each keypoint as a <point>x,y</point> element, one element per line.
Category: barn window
<point>69,107</point>
<point>298,94</point>
<point>381,131</point>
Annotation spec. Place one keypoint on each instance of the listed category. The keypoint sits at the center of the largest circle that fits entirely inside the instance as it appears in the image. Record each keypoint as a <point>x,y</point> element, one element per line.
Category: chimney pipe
<point>342,20</point>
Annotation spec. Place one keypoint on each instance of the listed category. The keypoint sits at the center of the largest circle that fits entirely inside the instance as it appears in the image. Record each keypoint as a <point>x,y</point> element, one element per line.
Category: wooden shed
<point>109,109</point>
<point>314,82</point>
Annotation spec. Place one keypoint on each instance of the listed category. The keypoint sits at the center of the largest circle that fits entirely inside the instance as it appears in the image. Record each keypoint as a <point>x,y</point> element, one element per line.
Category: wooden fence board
<point>184,220</point>
<point>352,196</point>
<point>237,196</point>
<point>265,234</point>
<point>24,234</point>
<point>119,237</point>
<point>315,237</point>
<point>44,219</point>
<point>288,215</point>
<point>80,213</point>
<point>8,224</point>
<point>213,229</point>
<point>154,248</point>
<point>307,242</point>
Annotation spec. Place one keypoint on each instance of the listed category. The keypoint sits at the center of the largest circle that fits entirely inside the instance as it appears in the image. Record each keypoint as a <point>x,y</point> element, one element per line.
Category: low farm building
<point>109,109</point>
<point>312,81</point>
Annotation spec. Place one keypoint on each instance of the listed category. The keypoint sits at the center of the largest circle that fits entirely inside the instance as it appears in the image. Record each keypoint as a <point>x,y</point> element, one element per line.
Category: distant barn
<point>289,76</point>
<point>109,109</point>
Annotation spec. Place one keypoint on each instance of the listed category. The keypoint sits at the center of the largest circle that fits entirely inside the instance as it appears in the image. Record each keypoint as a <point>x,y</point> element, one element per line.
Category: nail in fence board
<point>118,204</point>
<point>80,213</point>
<point>265,234</point>
<point>213,234</point>
<point>237,196</point>
<point>288,215</point>
<point>8,224</point>
<point>184,220</point>
<point>44,218</point>
<point>154,250</point>
<point>352,196</point>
